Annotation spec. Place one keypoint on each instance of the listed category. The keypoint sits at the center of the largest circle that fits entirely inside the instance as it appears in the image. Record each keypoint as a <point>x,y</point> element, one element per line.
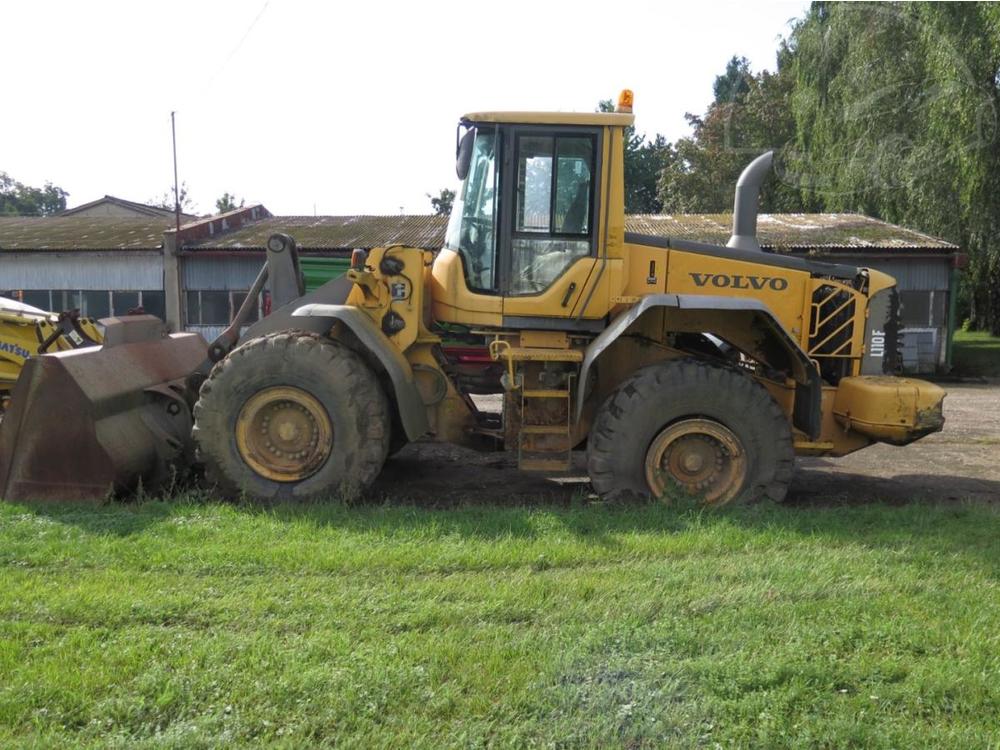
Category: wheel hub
<point>284,434</point>
<point>701,456</point>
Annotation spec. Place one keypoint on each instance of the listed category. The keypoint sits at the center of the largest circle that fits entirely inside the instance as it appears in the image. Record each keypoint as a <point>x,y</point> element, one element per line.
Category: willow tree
<point>896,115</point>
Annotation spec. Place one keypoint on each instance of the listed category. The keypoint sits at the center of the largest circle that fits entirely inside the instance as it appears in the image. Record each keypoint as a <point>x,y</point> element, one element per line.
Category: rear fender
<point>747,324</point>
<point>412,413</point>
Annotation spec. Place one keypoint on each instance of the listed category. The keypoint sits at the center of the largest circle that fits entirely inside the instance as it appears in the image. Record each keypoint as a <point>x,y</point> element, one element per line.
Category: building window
<point>153,302</point>
<point>95,304</point>
<point>215,308</point>
<point>66,299</point>
<point>123,301</point>
<point>238,298</point>
<point>939,308</point>
<point>916,308</point>
<point>35,297</point>
<point>208,308</point>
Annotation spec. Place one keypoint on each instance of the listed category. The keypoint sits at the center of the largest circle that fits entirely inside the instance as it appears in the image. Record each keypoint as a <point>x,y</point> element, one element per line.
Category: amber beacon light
<point>624,101</point>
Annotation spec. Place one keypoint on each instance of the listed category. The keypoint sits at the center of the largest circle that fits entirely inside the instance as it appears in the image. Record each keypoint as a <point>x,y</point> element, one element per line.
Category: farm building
<point>101,265</point>
<point>110,206</point>
<point>196,278</point>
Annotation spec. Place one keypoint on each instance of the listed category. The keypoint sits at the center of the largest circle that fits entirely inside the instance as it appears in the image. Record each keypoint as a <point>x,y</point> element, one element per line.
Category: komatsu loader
<point>678,365</point>
<point>27,331</point>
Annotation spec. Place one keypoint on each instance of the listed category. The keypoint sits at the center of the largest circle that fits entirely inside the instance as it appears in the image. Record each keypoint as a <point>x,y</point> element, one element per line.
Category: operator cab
<point>525,228</point>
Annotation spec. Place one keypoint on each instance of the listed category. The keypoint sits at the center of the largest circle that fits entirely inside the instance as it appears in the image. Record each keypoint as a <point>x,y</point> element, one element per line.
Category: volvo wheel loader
<point>678,365</point>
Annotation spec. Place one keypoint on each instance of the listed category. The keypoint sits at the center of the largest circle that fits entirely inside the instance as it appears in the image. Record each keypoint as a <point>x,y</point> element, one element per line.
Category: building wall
<point>98,284</point>
<point>219,272</point>
<point>129,269</point>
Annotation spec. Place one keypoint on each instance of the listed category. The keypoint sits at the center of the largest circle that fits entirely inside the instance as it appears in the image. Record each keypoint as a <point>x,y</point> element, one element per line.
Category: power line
<point>239,44</point>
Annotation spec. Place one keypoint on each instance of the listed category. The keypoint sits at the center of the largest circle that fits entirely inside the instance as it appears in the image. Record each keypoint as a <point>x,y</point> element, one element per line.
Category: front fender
<point>412,413</point>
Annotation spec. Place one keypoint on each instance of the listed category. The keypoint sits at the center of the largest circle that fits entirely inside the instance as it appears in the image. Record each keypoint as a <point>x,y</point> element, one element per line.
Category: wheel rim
<point>284,433</point>
<point>703,457</point>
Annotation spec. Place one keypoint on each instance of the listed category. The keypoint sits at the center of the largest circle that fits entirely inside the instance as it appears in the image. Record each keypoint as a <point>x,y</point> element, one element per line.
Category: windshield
<point>472,226</point>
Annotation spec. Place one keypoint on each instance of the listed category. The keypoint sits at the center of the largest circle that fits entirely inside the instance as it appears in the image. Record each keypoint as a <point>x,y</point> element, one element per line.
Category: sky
<point>333,107</point>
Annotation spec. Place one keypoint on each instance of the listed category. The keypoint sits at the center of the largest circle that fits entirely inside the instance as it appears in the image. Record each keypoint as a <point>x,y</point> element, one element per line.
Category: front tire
<point>710,431</point>
<point>292,416</point>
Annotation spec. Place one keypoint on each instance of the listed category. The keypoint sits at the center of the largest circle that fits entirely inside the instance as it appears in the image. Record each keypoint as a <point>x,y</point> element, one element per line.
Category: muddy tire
<point>291,416</point>
<point>690,426</point>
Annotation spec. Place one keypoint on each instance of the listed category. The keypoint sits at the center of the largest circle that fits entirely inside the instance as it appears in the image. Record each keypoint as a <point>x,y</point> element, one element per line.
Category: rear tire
<point>292,416</point>
<point>708,429</point>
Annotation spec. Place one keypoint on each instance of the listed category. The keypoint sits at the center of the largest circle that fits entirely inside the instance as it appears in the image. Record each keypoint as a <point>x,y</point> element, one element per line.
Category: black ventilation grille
<point>892,363</point>
<point>831,324</point>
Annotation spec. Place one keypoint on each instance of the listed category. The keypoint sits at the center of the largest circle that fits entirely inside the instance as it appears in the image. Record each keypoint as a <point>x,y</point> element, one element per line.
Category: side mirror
<point>463,157</point>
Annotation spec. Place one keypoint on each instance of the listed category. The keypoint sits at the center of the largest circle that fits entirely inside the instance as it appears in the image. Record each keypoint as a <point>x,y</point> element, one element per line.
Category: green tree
<point>442,202</point>
<point>228,203</point>
<point>734,84</point>
<point>749,115</point>
<point>644,160</point>
<point>166,200</point>
<point>896,109</point>
<point>19,199</point>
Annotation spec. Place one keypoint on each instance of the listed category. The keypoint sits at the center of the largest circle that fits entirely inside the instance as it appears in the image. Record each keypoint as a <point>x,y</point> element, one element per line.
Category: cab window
<point>553,208</point>
<point>472,226</point>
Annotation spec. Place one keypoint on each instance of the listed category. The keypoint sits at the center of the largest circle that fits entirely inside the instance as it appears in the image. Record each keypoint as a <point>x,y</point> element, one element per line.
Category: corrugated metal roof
<point>335,232</point>
<point>781,232</point>
<point>791,232</point>
<point>81,233</point>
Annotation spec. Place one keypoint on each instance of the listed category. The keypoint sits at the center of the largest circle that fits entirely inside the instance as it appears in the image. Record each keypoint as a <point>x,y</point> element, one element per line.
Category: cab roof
<point>604,119</point>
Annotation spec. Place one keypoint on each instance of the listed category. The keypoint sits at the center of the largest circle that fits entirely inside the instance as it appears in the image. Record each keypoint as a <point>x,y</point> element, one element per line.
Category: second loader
<point>26,332</point>
<point>678,365</point>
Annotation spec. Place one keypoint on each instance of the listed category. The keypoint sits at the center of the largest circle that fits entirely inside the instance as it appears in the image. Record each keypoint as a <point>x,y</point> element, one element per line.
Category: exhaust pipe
<point>747,202</point>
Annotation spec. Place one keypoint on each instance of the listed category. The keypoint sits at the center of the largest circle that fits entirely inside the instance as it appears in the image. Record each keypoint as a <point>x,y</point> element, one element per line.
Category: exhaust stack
<point>746,203</point>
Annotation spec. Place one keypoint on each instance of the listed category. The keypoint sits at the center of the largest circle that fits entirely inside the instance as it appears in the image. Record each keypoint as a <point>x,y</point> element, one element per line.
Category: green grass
<point>976,353</point>
<point>196,624</point>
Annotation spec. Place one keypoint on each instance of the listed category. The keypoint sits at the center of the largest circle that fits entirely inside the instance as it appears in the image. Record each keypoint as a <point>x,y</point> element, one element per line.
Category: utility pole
<point>177,199</point>
<point>171,263</point>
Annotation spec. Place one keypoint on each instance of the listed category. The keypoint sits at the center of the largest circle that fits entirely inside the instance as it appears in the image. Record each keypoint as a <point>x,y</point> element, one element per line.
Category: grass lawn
<point>976,353</point>
<point>197,624</point>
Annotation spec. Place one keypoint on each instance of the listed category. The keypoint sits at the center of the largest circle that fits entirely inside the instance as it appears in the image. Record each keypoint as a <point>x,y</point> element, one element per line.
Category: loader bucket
<point>93,422</point>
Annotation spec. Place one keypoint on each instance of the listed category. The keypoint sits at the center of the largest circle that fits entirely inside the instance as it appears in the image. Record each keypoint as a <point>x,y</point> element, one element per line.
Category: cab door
<point>549,244</point>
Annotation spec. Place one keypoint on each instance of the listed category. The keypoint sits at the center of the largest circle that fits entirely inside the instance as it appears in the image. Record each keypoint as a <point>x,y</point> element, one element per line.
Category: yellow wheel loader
<point>678,365</point>
<point>26,332</point>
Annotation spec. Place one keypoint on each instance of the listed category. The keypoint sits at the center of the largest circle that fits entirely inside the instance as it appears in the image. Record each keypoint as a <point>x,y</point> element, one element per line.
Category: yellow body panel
<point>781,289</point>
<point>603,119</point>
<point>452,300</point>
<point>889,409</point>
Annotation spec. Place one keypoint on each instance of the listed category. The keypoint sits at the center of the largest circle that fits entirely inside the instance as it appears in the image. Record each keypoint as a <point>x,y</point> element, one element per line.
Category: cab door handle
<point>569,293</point>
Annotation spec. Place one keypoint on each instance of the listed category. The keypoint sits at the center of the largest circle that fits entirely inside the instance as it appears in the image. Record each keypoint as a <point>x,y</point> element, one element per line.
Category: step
<point>543,464</point>
<point>544,394</point>
<point>545,429</point>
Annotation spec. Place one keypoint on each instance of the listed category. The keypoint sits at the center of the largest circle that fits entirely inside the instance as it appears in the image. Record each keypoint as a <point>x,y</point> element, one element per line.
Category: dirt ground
<point>961,462</point>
